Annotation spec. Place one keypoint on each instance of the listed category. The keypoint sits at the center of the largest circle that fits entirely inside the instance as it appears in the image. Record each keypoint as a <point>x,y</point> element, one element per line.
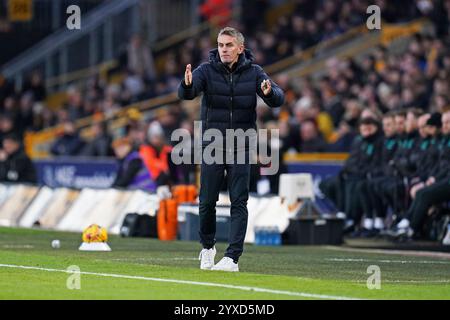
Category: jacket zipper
<point>231,100</point>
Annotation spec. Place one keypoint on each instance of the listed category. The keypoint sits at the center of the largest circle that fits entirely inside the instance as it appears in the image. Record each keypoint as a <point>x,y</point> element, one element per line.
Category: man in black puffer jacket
<point>229,82</point>
<point>15,165</point>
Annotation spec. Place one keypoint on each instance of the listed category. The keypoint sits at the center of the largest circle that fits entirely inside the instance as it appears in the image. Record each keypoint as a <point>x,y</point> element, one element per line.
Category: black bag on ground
<point>139,225</point>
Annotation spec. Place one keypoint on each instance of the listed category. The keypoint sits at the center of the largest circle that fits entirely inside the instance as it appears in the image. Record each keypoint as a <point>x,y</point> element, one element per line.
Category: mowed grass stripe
<point>197,283</point>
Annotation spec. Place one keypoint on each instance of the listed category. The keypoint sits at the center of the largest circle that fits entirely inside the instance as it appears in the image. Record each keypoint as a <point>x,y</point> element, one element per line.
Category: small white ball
<point>56,244</point>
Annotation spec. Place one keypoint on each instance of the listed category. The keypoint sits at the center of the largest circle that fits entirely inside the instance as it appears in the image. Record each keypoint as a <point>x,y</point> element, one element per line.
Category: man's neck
<point>231,65</point>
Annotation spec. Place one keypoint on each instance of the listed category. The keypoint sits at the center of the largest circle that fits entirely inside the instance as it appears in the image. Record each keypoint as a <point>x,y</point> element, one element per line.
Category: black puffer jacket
<point>229,99</point>
<point>17,168</point>
<point>441,170</point>
<point>364,157</point>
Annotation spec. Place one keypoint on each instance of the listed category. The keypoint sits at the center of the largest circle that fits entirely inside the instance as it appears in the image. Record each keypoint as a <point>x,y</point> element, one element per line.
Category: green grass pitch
<point>150,269</point>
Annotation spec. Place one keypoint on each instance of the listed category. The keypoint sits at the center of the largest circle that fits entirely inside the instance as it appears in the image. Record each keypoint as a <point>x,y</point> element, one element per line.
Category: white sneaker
<point>206,258</point>
<point>403,224</point>
<point>341,215</point>
<point>378,224</point>
<point>446,240</point>
<point>226,264</point>
<point>368,224</point>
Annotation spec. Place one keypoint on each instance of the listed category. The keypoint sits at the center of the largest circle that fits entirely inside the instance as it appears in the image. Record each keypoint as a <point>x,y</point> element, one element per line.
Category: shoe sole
<point>206,268</point>
<point>225,270</point>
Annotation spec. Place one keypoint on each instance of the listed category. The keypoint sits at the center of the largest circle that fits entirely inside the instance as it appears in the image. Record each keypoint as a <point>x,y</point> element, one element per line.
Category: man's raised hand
<point>188,75</point>
<point>266,87</point>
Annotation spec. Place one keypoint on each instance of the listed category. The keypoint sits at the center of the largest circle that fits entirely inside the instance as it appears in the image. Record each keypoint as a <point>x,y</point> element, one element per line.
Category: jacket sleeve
<point>197,86</point>
<point>276,96</point>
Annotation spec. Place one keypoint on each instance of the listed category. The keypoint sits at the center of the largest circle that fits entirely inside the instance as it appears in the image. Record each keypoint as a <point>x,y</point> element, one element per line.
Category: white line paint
<point>410,281</point>
<point>207,284</point>
<point>154,259</point>
<point>389,261</point>
<point>411,253</point>
<point>17,246</point>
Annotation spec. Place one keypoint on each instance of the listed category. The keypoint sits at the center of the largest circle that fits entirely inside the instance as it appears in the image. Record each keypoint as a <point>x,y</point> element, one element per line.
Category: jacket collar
<point>244,61</point>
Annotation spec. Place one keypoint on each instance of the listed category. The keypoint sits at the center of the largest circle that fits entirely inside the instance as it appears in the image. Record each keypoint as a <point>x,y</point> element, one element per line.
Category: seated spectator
<point>69,144</point>
<point>310,138</point>
<point>132,173</point>
<point>100,145</point>
<point>156,154</point>
<point>342,138</point>
<point>15,166</point>
<point>35,85</point>
<point>6,127</point>
<point>436,190</point>
<point>139,58</point>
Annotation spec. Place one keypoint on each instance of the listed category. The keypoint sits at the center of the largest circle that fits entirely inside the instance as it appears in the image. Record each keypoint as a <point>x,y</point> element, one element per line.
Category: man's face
<point>411,122</point>
<point>431,130</point>
<point>229,49</point>
<point>308,131</point>
<point>446,123</point>
<point>400,124</point>
<point>422,123</point>
<point>389,126</point>
<point>10,146</point>
<point>367,130</point>
<point>122,151</point>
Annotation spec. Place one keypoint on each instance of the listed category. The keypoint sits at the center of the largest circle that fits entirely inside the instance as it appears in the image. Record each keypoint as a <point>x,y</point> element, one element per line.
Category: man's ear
<point>241,49</point>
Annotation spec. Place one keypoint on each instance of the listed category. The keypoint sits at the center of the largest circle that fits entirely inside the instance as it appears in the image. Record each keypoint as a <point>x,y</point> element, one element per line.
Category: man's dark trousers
<point>211,179</point>
<point>434,194</point>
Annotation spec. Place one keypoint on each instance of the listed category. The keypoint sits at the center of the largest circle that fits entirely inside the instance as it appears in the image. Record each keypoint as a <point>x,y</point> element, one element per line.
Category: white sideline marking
<point>155,259</point>
<point>208,284</point>
<point>18,246</point>
<point>410,281</point>
<point>389,261</point>
<point>411,253</point>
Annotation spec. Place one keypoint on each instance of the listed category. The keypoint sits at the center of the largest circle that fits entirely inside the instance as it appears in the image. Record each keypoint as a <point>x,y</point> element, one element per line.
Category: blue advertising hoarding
<point>76,173</point>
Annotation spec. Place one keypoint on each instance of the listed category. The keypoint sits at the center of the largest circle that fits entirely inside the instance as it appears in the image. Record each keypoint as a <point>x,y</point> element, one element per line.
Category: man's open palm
<point>188,75</point>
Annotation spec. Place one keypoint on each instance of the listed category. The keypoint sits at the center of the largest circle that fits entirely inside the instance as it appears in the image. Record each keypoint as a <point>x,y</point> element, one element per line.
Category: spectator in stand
<point>15,166</point>
<point>156,154</point>
<point>74,105</point>
<point>139,58</point>
<point>342,138</point>
<point>69,143</point>
<point>310,138</point>
<point>100,145</point>
<point>6,128</point>
<point>36,87</point>
<point>132,173</point>
<point>25,115</point>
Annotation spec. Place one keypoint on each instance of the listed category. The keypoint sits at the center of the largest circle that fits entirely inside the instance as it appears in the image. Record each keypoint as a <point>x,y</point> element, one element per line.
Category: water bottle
<point>277,236</point>
<point>258,236</point>
<point>264,236</point>
<point>271,236</point>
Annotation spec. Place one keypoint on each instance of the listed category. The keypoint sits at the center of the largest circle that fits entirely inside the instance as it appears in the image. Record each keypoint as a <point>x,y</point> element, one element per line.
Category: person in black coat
<point>436,190</point>
<point>230,82</point>
<point>345,188</point>
<point>100,146</point>
<point>69,144</point>
<point>15,165</point>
